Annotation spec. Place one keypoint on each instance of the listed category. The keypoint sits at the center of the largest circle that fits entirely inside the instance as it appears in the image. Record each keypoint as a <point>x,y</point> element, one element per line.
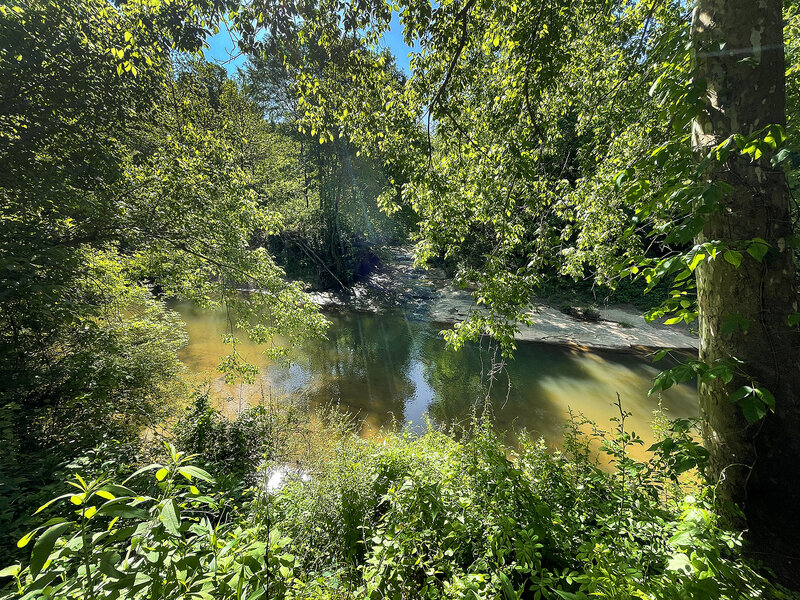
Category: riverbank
<point>428,293</point>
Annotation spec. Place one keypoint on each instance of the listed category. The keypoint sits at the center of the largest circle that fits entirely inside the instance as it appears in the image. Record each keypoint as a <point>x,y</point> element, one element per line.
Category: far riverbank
<point>428,293</point>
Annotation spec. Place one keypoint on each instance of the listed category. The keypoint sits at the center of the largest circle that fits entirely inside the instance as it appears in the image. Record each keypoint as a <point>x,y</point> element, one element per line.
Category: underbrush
<point>430,516</point>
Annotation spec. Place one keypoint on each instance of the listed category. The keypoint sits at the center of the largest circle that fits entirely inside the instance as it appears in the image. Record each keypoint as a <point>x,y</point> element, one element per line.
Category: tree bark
<point>739,54</point>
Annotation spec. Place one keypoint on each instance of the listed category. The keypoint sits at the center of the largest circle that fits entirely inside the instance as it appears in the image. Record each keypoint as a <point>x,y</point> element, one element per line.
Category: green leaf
<point>622,177</point>
<point>782,155</point>
<point>170,516</point>
<point>663,381</point>
<point>117,490</point>
<point>508,589</point>
<point>49,502</point>
<point>766,397</point>
<point>733,256</point>
<point>161,474</point>
<point>11,571</point>
<point>44,545</point>
<point>753,409</point>
<point>108,565</point>
<point>775,137</point>
<point>142,470</point>
<point>741,393</point>
<point>723,370</point>
<point>758,248</point>
<point>679,562</point>
<point>752,402</point>
<point>25,539</point>
<point>657,356</point>
<point>682,538</point>
<point>122,510</point>
<point>189,472</point>
<point>733,322</point>
<point>698,258</point>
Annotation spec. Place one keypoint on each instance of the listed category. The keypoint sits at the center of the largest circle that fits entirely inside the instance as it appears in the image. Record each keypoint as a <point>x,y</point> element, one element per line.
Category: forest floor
<point>429,294</point>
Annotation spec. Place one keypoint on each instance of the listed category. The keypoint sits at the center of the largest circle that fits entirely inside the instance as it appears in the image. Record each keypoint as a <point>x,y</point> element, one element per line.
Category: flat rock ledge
<point>620,327</point>
<point>427,294</point>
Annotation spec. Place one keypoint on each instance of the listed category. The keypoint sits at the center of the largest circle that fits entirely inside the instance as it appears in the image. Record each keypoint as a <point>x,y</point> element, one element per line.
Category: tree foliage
<point>526,114</point>
<point>115,182</point>
<point>119,188</point>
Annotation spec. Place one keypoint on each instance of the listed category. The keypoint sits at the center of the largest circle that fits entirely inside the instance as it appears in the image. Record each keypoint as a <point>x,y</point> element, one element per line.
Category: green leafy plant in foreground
<point>403,517</point>
<point>115,542</point>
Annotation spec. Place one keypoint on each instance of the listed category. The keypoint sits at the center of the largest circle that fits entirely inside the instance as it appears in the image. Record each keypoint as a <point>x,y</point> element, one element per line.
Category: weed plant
<point>402,517</point>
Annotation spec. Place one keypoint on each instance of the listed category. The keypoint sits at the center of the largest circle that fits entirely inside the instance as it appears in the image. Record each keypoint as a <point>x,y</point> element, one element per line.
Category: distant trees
<point>333,229</point>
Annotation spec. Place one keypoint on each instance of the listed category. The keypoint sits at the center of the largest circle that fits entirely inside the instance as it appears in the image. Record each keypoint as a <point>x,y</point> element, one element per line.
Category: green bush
<point>401,517</point>
<point>438,518</point>
<point>232,446</point>
<point>166,539</point>
<point>237,448</point>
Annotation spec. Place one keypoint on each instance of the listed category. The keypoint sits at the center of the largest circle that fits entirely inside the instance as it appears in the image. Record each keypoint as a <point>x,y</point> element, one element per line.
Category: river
<point>385,369</point>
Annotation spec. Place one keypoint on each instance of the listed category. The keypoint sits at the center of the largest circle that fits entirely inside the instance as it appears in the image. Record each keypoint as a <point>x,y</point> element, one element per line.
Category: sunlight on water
<point>387,369</point>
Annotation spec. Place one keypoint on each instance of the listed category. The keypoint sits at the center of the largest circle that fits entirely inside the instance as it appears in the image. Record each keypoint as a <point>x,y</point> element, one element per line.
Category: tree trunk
<point>756,465</point>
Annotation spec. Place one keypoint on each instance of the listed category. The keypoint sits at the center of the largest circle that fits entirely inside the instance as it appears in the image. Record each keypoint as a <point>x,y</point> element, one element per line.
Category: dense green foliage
<point>121,184</point>
<point>406,517</point>
<point>507,136</point>
<point>110,189</point>
<point>530,142</point>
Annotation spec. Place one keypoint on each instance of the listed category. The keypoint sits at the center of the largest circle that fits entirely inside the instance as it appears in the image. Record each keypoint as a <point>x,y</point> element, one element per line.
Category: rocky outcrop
<point>428,294</point>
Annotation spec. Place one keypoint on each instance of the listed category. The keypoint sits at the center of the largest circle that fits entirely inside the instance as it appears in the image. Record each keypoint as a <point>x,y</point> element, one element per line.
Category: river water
<point>388,369</point>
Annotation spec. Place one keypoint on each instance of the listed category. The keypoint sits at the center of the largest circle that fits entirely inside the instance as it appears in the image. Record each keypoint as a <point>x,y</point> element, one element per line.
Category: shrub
<point>401,517</point>
<point>167,539</point>
<point>238,447</point>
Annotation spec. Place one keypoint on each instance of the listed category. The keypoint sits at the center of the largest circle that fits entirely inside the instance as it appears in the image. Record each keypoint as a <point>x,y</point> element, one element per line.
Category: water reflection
<point>387,369</point>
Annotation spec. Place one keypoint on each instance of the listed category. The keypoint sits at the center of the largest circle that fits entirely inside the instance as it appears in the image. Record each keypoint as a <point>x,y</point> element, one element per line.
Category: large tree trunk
<point>757,465</point>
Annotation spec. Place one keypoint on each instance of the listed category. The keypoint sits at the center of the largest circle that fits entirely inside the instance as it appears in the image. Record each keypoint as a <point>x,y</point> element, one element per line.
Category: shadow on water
<point>387,370</point>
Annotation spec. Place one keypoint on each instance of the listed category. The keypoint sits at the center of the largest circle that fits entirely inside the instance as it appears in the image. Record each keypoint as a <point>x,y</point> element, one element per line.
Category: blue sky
<point>222,49</point>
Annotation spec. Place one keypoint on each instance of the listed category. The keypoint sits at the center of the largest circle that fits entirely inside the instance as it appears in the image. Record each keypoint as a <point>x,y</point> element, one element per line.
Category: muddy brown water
<point>389,370</point>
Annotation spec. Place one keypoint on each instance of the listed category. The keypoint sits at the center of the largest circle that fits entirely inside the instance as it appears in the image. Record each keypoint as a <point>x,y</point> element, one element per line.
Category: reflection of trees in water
<point>463,380</point>
<point>380,367</point>
<point>544,381</point>
<point>456,380</point>
<point>363,365</point>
